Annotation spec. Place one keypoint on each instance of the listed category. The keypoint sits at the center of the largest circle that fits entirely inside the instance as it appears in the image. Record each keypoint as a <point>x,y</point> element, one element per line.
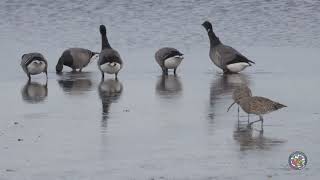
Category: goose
<point>225,57</point>
<point>110,61</point>
<point>168,58</point>
<point>34,63</point>
<point>76,58</point>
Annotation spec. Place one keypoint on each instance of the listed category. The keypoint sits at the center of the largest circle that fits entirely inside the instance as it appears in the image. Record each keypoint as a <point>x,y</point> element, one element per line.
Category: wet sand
<point>148,126</point>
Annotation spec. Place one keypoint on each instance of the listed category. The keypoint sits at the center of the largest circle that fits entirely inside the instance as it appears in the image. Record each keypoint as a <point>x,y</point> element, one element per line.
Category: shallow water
<point>146,126</point>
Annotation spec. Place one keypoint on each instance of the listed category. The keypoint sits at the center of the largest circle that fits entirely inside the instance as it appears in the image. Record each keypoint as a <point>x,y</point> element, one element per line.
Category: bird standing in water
<point>34,63</point>
<point>225,57</point>
<point>110,61</point>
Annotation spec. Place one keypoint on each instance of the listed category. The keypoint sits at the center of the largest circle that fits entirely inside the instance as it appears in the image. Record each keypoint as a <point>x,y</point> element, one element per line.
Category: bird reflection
<point>169,86</point>
<point>223,86</point>
<point>34,92</point>
<point>75,83</point>
<point>250,139</point>
<point>110,91</point>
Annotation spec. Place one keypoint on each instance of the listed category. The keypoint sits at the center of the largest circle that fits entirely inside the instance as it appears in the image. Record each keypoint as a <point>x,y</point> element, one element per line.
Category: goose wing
<point>229,55</point>
<point>109,55</point>
<point>165,53</point>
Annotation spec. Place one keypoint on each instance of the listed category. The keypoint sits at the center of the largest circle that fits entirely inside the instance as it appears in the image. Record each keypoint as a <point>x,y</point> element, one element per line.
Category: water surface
<point>146,126</point>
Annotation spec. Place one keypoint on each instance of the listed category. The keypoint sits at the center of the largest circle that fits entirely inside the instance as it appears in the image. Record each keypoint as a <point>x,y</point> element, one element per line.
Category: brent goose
<point>34,63</point>
<point>76,58</point>
<point>109,59</point>
<point>225,57</point>
<point>168,58</point>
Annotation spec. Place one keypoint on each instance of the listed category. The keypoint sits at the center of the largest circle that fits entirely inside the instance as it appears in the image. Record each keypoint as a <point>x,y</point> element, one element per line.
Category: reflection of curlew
<point>110,91</point>
<point>168,86</point>
<point>223,86</point>
<point>75,83</point>
<point>33,92</point>
<point>249,140</point>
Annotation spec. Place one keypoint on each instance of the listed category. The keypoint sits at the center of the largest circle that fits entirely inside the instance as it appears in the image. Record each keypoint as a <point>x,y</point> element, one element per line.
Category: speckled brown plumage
<point>240,92</point>
<point>259,105</point>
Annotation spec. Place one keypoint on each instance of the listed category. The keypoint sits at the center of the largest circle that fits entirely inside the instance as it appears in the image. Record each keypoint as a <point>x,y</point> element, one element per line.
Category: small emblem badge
<point>297,160</point>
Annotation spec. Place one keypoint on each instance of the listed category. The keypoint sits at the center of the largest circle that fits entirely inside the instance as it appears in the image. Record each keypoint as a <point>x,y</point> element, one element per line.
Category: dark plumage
<point>168,58</point>
<point>34,63</point>
<point>109,60</point>
<point>75,58</point>
<point>225,57</point>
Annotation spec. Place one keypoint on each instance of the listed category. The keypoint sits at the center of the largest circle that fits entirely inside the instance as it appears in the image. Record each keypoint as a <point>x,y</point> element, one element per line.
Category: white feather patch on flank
<point>237,67</point>
<point>110,68</point>
<point>36,67</point>
<point>173,62</point>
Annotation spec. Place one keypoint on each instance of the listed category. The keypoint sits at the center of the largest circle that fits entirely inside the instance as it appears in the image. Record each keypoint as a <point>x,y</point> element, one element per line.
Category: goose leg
<point>116,76</point>
<point>46,72</point>
<point>166,71</point>
<point>102,75</point>
<point>29,77</point>
<point>174,71</point>
<point>238,113</point>
<point>80,70</point>
<point>248,118</point>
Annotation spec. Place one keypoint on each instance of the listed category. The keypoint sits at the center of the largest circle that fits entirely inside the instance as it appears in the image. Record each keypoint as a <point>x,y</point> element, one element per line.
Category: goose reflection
<point>34,92</point>
<point>250,139</point>
<point>110,91</point>
<point>169,86</point>
<point>75,83</point>
<point>223,86</point>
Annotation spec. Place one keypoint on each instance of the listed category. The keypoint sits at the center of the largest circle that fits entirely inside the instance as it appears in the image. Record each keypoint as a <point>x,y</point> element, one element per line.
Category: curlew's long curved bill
<point>231,106</point>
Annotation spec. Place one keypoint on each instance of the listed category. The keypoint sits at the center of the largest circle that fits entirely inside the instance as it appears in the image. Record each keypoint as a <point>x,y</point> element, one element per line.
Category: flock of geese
<point>109,61</point>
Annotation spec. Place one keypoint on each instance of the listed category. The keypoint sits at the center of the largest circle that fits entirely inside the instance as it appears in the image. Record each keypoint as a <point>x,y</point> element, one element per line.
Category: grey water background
<point>146,126</point>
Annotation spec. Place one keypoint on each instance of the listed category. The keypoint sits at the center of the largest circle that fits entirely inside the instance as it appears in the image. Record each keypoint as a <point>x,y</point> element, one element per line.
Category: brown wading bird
<point>239,93</point>
<point>258,106</point>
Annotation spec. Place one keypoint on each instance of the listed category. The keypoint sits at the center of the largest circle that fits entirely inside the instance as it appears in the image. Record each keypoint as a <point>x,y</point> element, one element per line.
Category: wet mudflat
<point>148,126</point>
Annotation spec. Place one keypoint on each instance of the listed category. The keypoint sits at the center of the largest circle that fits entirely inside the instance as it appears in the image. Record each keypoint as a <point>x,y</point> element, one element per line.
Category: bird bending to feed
<point>225,57</point>
<point>76,58</point>
<point>168,58</point>
<point>240,92</point>
<point>34,63</point>
<point>259,106</point>
<point>110,61</point>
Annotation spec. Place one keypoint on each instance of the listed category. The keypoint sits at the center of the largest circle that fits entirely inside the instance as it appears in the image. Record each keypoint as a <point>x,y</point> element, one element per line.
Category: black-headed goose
<point>110,61</point>
<point>34,63</point>
<point>76,58</point>
<point>168,58</point>
<point>225,57</point>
